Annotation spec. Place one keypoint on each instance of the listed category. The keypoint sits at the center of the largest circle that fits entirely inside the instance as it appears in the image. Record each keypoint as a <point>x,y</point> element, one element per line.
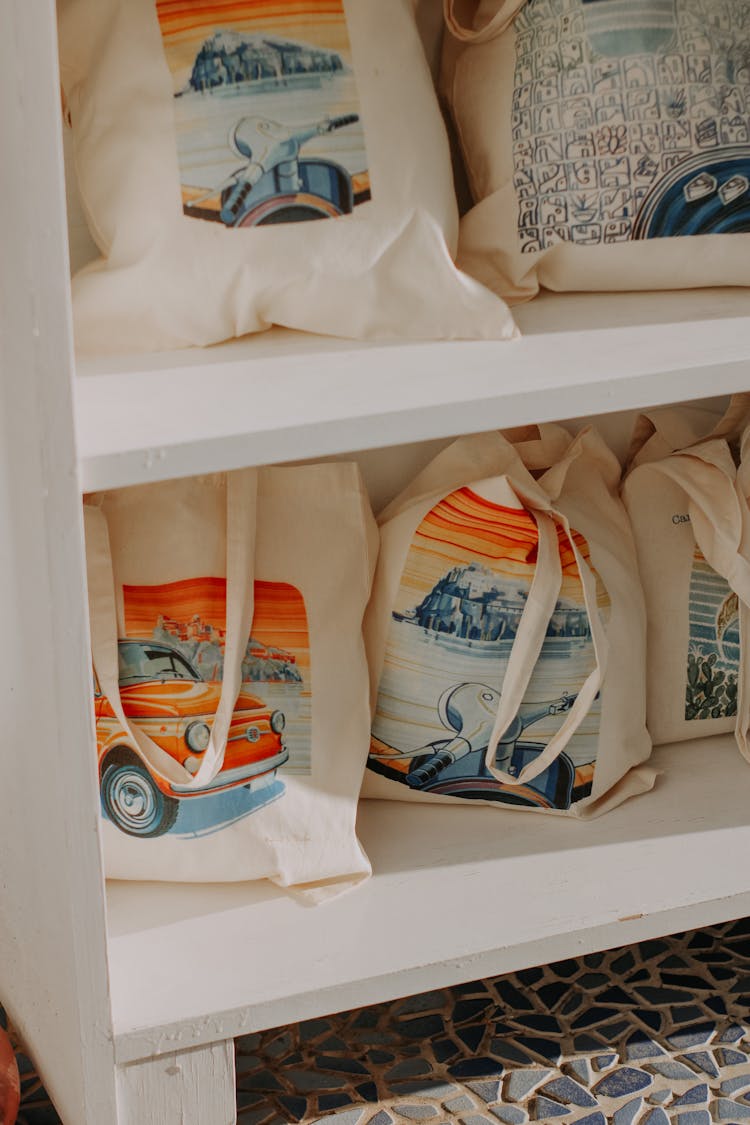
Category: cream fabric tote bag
<point>606,142</point>
<point>690,522</point>
<point>230,675</point>
<point>490,633</point>
<point>209,140</point>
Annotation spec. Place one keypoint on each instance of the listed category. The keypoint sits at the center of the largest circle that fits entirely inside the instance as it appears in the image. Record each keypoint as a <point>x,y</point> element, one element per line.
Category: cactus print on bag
<point>714,648</point>
<point>631,121</point>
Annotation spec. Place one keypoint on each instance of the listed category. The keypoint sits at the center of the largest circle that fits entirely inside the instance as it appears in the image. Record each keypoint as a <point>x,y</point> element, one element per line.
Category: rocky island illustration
<point>231,60</point>
<point>284,104</point>
<point>447,654</point>
<point>468,603</point>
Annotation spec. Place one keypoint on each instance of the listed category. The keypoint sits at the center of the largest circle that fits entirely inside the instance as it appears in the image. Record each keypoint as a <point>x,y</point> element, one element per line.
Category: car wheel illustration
<point>135,803</point>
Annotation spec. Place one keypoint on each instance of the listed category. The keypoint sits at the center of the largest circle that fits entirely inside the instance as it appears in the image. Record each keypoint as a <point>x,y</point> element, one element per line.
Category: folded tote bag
<point>250,164</point>
<point>231,687</point>
<point>690,521</point>
<point>607,143</point>
<point>506,633</point>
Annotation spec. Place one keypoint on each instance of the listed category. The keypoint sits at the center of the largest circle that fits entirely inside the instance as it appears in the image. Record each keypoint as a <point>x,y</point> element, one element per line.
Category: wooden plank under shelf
<point>285,396</point>
<point>457,894</point>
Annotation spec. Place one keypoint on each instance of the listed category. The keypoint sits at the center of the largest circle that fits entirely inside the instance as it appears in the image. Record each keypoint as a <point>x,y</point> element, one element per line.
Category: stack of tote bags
<point>511,641</point>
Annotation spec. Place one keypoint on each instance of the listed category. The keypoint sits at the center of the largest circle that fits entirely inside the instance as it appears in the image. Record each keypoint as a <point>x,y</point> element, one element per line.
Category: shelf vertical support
<point>194,1087</point>
<point>53,964</point>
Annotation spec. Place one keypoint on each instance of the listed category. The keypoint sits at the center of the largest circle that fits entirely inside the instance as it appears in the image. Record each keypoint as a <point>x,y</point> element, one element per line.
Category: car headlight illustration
<point>198,736</point>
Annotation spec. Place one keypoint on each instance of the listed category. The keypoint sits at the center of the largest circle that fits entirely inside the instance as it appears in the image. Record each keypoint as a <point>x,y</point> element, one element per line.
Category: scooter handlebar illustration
<point>469,710</point>
<point>277,184</point>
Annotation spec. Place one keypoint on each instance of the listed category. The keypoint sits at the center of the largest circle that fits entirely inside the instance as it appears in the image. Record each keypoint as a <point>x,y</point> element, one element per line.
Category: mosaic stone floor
<point>653,1034</point>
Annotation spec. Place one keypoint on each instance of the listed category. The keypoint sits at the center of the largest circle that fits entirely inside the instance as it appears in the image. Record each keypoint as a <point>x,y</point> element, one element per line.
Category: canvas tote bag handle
<point>532,630</point>
<point>677,432</point>
<point>241,501</point>
<point>719,514</point>
<point>460,14</point>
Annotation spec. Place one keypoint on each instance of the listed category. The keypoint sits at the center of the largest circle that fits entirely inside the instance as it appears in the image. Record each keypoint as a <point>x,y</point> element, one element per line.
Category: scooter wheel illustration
<point>134,802</point>
<point>288,209</point>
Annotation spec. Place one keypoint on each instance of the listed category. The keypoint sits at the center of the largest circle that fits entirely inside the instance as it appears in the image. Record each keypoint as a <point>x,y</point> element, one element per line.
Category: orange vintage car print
<point>166,697</point>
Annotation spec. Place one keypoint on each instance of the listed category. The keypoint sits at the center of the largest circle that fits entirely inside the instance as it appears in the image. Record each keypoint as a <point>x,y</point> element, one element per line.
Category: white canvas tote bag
<point>690,521</point>
<point>209,138</point>
<point>494,673</point>
<point>607,143</point>
<point>230,675</point>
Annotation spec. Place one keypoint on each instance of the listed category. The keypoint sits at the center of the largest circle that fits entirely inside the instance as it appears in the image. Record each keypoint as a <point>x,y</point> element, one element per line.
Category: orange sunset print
<point>193,612</point>
<point>190,617</point>
<point>267,112</point>
<point>466,527</point>
<point>454,623</point>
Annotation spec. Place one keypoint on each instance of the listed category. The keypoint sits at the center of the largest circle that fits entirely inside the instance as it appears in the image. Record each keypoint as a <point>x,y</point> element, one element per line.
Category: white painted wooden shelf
<point>456,894</point>
<point>287,395</point>
<point>129,998</point>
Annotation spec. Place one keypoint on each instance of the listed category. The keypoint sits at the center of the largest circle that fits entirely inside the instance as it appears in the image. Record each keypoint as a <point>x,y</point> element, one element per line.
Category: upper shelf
<point>286,396</point>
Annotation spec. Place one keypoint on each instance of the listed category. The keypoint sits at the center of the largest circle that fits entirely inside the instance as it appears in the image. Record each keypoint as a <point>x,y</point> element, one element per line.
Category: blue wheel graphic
<point>706,194</point>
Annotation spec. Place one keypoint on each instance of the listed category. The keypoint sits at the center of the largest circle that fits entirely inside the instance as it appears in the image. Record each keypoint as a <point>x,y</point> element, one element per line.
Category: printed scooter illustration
<point>276,184</point>
<point>469,710</point>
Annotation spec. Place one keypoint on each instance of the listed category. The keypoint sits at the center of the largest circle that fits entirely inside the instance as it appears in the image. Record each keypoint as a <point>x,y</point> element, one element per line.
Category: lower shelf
<point>192,964</point>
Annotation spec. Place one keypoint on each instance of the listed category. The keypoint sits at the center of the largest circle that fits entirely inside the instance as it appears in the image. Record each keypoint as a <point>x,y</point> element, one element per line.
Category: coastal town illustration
<point>203,644</point>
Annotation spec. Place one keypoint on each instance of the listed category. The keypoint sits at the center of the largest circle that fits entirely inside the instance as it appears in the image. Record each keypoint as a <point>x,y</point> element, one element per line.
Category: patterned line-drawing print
<point>462,592</point>
<point>269,87</point>
<point>171,662</point>
<point>631,121</point>
<point>713,658</point>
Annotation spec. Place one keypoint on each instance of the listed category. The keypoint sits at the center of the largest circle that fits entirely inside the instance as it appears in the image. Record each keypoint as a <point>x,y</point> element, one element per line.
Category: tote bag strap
<point>460,16</point>
<point>241,501</point>
<point>540,447</point>
<point>735,418</point>
<point>719,518</point>
<point>527,646</point>
<point>681,428</point>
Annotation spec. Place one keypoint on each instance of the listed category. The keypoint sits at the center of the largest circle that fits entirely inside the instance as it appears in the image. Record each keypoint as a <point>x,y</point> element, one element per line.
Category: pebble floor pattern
<point>653,1034</point>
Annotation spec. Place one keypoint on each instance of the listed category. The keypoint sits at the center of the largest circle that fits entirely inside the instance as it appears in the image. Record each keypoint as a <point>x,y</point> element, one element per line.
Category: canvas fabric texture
<point>689,514</point>
<point>502,673</point>
<point>606,144</point>
<point>216,604</point>
<point>197,183</point>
